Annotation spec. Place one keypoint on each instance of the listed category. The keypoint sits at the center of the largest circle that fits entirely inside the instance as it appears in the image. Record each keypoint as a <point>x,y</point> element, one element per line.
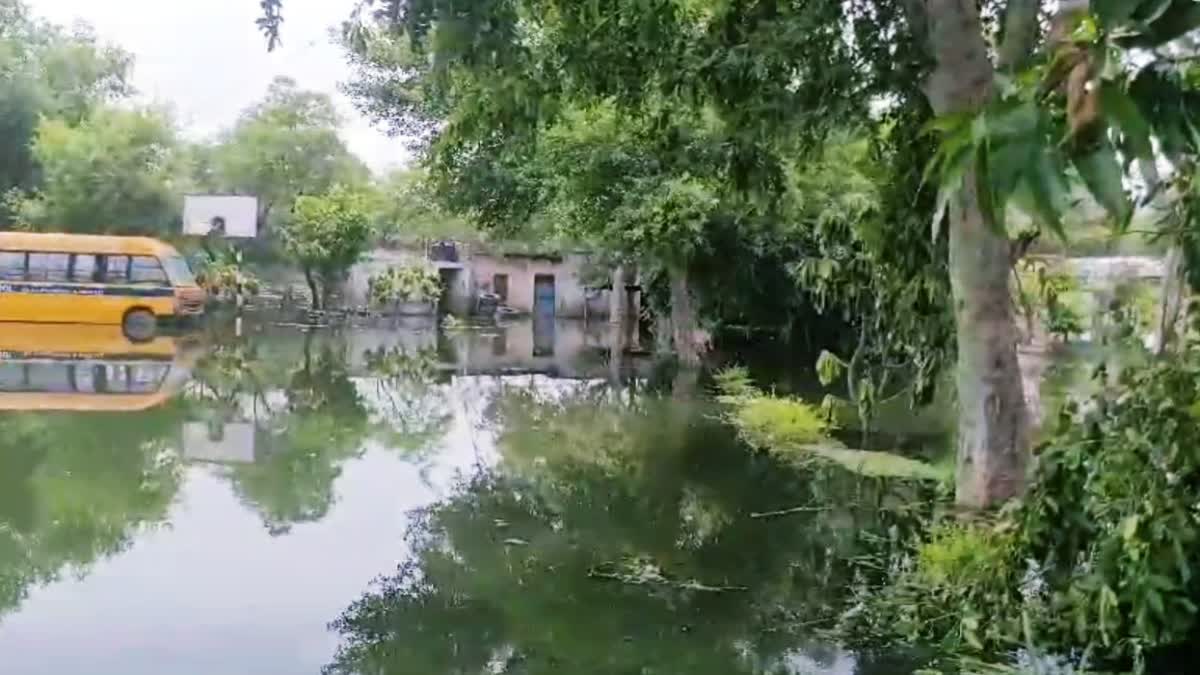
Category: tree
<point>1090,96</point>
<point>285,146</point>
<point>652,181</point>
<point>776,79</point>
<point>116,172</point>
<point>48,72</point>
<point>326,235</point>
<point>324,425</point>
<point>406,208</point>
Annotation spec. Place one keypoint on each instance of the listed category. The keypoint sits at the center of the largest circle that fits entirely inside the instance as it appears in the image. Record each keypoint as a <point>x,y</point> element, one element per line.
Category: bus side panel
<point>76,304</point>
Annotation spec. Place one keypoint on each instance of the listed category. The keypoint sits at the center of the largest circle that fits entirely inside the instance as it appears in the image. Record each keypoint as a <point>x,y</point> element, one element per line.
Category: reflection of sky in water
<point>213,592</point>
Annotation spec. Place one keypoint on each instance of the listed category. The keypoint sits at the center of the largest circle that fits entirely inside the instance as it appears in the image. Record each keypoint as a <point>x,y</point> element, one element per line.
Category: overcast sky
<point>207,59</point>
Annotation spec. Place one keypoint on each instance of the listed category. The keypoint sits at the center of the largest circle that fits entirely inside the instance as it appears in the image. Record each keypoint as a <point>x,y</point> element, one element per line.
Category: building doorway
<point>543,315</point>
<point>543,295</point>
<point>500,287</point>
<point>448,301</point>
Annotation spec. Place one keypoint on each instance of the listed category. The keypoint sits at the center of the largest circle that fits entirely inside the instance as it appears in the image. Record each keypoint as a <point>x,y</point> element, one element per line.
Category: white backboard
<point>239,214</point>
<point>228,443</point>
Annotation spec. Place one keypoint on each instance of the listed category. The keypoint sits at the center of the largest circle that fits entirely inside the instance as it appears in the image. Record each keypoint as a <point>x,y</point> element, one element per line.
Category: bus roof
<point>38,402</point>
<point>80,340</point>
<point>84,243</point>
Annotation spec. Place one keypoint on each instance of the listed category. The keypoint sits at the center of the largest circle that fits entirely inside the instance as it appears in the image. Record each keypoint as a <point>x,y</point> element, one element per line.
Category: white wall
<point>569,294</point>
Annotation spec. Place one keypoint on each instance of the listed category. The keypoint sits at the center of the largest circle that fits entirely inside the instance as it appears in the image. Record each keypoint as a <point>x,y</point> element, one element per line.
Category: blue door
<point>543,315</point>
<point>543,295</point>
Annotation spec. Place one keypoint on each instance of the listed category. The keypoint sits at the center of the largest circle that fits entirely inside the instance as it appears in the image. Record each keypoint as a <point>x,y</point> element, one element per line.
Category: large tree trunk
<point>1172,304</point>
<point>618,316</point>
<point>313,288</point>
<point>690,341</point>
<point>618,299</point>
<point>685,327</point>
<point>993,421</point>
<point>1174,284</point>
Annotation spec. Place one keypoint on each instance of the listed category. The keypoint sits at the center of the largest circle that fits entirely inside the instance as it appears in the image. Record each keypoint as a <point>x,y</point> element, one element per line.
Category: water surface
<point>403,499</point>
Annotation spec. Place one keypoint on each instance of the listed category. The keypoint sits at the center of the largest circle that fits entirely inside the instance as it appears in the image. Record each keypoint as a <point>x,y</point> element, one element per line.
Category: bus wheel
<point>139,325</point>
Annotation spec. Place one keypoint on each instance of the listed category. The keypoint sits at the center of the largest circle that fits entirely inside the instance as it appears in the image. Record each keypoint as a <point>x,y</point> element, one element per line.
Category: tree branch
<point>788,512</point>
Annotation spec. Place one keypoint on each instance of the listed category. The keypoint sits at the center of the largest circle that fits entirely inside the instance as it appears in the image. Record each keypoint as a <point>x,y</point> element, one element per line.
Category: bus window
<point>48,267</point>
<point>85,378</point>
<point>178,271</point>
<point>12,376</point>
<point>12,266</point>
<point>84,269</point>
<point>116,269</point>
<point>131,378</point>
<point>145,378</point>
<point>146,270</point>
<point>50,378</point>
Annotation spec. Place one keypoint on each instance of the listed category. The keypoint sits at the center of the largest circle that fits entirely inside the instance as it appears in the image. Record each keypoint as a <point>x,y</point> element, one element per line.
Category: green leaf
<point>1102,174</point>
<point>1112,13</point>
<point>1008,163</point>
<point>1165,23</point>
<point>1016,119</point>
<point>948,123</point>
<point>939,213</point>
<point>1129,527</point>
<point>1121,109</point>
<point>990,205</point>
<point>1148,11</point>
<point>829,368</point>
<point>1047,189</point>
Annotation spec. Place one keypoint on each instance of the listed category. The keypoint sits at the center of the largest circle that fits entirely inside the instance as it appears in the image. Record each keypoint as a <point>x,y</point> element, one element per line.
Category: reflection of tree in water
<point>76,487</point>
<point>412,411</point>
<point>311,417</point>
<point>301,454</point>
<point>614,538</point>
<point>233,372</point>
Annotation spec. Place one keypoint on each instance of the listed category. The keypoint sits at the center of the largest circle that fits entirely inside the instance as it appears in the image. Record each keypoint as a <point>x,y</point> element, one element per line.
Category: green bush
<point>958,589</point>
<point>1113,514</point>
<point>225,277</point>
<point>1100,556</point>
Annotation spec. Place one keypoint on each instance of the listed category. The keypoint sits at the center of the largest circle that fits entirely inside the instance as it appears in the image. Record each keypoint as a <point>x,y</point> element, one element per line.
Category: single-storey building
<point>542,284</point>
<point>539,284</point>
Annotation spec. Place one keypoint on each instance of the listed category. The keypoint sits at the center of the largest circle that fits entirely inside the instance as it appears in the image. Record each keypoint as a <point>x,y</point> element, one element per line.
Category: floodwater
<point>405,499</point>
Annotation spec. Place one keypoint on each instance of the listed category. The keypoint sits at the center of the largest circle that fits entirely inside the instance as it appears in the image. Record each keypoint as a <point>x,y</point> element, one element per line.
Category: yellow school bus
<point>88,368</point>
<point>70,278</point>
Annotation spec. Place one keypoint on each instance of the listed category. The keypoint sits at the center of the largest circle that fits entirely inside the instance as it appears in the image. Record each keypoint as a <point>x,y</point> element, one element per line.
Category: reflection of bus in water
<point>87,368</point>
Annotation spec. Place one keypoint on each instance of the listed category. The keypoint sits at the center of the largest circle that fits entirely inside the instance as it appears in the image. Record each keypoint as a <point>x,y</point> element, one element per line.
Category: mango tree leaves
<point>1047,189</point>
<point>829,368</point>
<point>1114,12</point>
<point>1125,116</point>
<point>1101,172</point>
<point>1149,23</point>
<point>1012,147</point>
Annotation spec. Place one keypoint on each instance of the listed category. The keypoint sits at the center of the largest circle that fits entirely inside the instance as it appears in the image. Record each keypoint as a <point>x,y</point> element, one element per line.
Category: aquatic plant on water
<point>800,432</point>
